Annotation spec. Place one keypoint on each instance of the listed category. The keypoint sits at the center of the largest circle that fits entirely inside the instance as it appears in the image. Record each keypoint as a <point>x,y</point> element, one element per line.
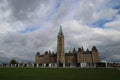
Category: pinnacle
<point>60,30</point>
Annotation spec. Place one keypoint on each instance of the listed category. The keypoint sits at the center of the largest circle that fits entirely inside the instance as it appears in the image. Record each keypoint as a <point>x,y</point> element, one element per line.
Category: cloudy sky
<point>29,26</point>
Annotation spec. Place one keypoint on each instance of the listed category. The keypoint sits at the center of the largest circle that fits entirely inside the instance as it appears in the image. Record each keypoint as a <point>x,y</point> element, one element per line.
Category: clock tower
<point>60,48</point>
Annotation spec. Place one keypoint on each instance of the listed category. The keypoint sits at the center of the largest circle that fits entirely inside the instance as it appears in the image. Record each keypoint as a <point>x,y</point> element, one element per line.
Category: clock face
<point>60,35</point>
<point>60,40</point>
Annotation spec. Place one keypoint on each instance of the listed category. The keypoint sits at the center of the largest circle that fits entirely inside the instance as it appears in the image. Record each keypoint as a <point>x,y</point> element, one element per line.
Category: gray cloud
<point>21,8</point>
<point>24,46</point>
<point>75,17</point>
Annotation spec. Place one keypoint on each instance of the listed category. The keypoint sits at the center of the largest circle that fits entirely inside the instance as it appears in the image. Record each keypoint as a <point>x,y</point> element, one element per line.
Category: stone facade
<point>74,57</point>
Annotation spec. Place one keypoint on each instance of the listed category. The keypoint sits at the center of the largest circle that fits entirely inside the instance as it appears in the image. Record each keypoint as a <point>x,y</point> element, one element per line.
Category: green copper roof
<point>60,30</point>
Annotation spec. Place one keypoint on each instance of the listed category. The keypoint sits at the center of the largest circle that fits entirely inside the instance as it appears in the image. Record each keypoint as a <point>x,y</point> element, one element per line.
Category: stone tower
<point>95,55</point>
<point>37,58</point>
<point>60,47</point>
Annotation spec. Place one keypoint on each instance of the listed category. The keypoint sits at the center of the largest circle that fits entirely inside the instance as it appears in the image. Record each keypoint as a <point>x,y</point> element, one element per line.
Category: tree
<point>13,61</point>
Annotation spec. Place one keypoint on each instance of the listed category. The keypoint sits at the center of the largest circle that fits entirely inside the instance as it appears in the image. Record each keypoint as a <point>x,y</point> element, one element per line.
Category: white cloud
<point>114,24</point>
<point>107,13</point>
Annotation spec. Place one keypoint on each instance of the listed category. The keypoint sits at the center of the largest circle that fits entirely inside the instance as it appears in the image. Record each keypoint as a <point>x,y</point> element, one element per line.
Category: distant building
<point>73,58</point>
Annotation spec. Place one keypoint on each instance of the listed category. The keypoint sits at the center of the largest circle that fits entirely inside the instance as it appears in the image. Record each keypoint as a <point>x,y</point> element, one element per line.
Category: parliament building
<point>76,58</point>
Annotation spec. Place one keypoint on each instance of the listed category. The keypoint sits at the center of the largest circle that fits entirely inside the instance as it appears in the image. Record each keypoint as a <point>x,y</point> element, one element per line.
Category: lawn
<point>59,74</point>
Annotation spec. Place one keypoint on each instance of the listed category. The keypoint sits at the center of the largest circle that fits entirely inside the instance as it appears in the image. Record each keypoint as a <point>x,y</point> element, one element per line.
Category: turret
<point>95,55</point>
<point>82,49</point>
<point>80,55</point>
<point>74,51</point>
<point>79,49</point>
<point>49,52</point>
<point>94,48</point>
<point>38,53</point>
<point>46,57</point>
<point>87,51</point>
<point>37,58</point>
<point>46,52</point>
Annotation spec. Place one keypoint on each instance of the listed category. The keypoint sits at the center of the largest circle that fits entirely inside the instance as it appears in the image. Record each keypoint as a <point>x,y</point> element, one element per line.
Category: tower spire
<point>60,30</point>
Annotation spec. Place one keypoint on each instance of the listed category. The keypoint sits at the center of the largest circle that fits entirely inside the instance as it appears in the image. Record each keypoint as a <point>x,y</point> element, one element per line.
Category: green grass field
<point>58,74</point>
